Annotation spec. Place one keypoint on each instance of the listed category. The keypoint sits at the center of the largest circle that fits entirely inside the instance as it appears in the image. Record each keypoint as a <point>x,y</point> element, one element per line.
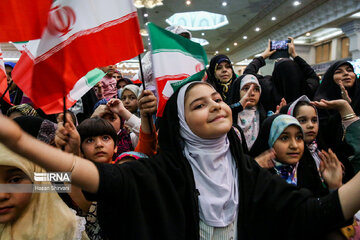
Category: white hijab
<point>249,118</point>
<point>214,171</point>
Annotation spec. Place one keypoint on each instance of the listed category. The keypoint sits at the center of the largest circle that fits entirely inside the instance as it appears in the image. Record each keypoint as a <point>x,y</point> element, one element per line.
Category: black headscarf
<point>307,174</point>
<point>288,79</point>
<point>329,90</point>
<point>220,88</point>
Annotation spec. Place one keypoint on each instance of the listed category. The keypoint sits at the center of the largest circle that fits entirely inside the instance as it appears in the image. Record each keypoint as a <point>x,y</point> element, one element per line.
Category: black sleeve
<point>312,80</point>
<point>254,66</point>
<point>279,207</point>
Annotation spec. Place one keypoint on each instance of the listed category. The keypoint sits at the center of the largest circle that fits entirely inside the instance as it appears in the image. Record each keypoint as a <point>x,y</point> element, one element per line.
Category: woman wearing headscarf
<point>339,82</point>
<point>290,78</point>
<point>221,75</point>
<point>163,197</point>
<point>46,216</point>
<point>247,111</point>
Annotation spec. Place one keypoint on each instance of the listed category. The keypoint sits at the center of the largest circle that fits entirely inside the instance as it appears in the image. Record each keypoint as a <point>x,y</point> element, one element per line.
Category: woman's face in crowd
<point>254,97</point>
<point>345,74</point>
<point>206,114</point>
<point>13,204</point>
<point>223,72</point>
<point>289,147</point>
<point>130,101</point>
<point>117,76</point>
<point>99,149</point>
<point>307,117</point>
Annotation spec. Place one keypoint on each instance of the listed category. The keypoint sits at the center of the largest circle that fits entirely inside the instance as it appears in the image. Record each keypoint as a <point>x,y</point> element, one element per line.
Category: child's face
<point>307,117</point>
<point>206,113</point>
<point>345,74</point>
<point>223,72</point>
<point>12,204</point>
<point>99,149</point>
<point>130,101</point>
<point>289,147</point>
<point>254,97</point>
<point>114,120</point>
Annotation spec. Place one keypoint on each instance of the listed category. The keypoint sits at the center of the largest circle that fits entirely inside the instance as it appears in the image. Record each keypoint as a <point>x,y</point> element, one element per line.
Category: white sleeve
<point>134,124</point>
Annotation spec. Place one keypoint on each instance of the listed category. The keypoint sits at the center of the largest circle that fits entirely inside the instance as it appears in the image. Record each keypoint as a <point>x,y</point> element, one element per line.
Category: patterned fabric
<point>249,122</point>
<point>218,233</point>
<point>124,143</point>
<point>92,226</point>
<point>287,172</point>
<point>47,132</point>
<point>279,124</point>
<point>24,109</point>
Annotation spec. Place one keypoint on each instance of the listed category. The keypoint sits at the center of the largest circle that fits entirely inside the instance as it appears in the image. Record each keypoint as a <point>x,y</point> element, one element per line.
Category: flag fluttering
<point>79,37</point>
<point>174,58</point>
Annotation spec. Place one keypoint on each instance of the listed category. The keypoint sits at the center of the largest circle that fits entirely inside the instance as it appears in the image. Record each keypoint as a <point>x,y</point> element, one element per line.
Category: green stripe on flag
<point>93,77</point>
<point>196,77</point>
<point>163,40</point>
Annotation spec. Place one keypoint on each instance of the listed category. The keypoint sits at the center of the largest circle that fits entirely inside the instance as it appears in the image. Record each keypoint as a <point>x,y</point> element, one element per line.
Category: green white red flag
<point>23,20</point>
<point>79,37</point>
<point>174,58</point>
<point>81,87</point>
<point>3,80</point>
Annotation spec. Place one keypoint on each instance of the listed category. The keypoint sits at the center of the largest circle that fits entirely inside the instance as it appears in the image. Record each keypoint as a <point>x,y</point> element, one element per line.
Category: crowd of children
<point>235,157</point>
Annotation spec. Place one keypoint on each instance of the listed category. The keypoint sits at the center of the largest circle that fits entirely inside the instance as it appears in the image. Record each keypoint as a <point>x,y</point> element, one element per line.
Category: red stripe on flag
<point>51,79</point>
<point>161,82</point>
<point>3,86</point>
<point>23,20</point>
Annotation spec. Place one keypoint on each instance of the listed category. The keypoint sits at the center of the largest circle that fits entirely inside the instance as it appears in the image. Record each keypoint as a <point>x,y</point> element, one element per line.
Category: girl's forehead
<point>249,84</point>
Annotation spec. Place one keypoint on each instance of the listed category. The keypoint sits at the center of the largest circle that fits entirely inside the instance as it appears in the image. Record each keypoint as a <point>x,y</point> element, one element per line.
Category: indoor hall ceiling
<point>243,16</point>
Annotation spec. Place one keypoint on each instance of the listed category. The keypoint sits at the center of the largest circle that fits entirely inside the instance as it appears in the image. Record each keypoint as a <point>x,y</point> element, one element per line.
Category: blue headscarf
<point>279,124</point>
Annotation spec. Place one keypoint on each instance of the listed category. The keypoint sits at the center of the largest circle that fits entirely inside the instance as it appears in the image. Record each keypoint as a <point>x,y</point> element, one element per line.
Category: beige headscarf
<point>46,216</point>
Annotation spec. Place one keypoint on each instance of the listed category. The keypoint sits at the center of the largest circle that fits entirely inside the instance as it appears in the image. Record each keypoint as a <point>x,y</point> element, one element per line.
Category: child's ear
<point>115,149</point>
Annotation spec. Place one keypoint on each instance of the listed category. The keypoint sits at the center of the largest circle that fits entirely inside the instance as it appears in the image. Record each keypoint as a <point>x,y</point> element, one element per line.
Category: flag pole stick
<point>143,83</point>
<point>7,89</point>
<point>64,117</point>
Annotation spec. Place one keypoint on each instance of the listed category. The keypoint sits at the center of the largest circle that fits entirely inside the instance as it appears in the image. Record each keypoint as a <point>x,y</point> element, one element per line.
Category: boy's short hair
<point>93,127</point>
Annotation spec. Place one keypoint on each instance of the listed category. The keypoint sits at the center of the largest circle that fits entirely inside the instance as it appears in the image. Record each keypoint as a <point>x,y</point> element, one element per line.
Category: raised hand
<point>265,160</point>
<point>245,100</point>
<point>147,103</point>
<point>282,104</point>
<point>116,106</point>
<point>330,169</point>
<point>67,137</point>
<point>344,92</point>
<point>267,52</point>
<point>291,47</point>
<point>340,105</point>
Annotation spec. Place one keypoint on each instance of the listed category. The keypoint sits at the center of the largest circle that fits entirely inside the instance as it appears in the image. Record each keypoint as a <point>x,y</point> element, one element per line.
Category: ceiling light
<point>307,34</point>
<point>188,2</point>
<point>227,49</point>
<point>296,3</point>
<point>144,33</point>
<point>146,15</point>
<point>198,20</point>
<point>257,29</point>
<point>244,37</point>
<point>202,34</point>
<point>216,52</point>
<point>235,43</point>
<point>145,50</point>
<point>273,18</point>
<point>224,4</point>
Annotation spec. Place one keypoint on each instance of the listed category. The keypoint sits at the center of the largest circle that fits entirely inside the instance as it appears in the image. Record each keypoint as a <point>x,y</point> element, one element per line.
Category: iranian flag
<point>80,36</point>
<point>81,87</point>
<point>174,58</point>
<point>3,80</point>
<point>23,20</point>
